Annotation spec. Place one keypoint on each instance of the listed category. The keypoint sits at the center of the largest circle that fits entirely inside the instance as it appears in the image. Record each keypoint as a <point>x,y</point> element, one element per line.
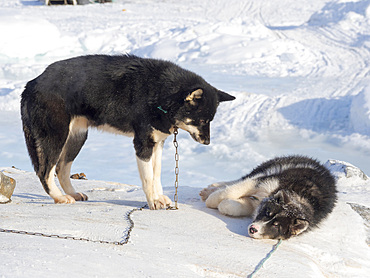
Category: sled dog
<point>285,196</point>
<point>128,95</point>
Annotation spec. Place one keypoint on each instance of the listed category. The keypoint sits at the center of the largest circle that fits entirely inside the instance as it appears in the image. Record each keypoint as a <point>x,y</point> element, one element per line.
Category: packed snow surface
<point>300,73</point>
<point>193,241</point>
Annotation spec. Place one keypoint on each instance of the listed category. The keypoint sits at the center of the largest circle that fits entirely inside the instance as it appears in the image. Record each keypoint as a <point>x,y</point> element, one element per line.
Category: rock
<point>80,176</point>
<point>7,186</point>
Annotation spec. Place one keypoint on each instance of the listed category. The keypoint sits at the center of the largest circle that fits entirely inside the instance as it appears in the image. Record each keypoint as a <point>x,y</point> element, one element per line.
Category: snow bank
<point>30,36</point>
<point>360,112</point>
<point>297,71</point>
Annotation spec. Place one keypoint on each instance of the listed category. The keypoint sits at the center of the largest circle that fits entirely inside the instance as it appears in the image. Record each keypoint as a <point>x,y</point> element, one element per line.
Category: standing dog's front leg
<point>146,176</point>
<point>157,185</point>
<point>148,156</point>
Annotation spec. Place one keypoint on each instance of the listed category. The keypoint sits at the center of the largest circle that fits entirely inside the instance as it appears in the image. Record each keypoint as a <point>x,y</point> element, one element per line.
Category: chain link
<point>122,242</point>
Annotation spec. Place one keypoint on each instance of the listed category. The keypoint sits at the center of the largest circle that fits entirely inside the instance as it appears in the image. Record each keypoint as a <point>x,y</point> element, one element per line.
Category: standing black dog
<point>143,98</point>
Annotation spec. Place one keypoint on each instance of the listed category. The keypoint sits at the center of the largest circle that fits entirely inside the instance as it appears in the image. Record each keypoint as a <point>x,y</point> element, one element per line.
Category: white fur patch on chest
<point>159,136</point>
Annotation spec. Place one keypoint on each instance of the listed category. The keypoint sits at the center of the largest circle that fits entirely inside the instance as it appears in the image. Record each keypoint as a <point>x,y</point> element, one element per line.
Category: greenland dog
<point>285,196</point>
<point>142,98</point>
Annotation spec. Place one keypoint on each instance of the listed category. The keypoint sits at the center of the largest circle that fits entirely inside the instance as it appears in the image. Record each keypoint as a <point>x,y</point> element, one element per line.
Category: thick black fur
<point>305,196</point>
<point>131,94</point>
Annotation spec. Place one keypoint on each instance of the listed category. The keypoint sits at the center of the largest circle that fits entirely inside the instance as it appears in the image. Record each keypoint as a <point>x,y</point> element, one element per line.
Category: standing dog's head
<point>198,110</point>
<point>280,216</point>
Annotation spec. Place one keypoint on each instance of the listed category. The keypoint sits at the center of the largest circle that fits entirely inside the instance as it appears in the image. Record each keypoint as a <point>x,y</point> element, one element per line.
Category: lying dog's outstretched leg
<point>213,187</point>
<point>244,206</point>
<point>234,192</point>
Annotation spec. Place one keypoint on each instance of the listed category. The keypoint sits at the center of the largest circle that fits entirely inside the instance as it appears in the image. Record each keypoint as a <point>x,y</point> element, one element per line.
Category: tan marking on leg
<point>54,191</point>
<point>77,125</point>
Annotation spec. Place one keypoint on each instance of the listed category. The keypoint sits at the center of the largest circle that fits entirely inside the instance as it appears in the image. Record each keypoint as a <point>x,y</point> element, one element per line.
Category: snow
<point>300,73</point>
<point>191,242</point>
<point>360,112</point>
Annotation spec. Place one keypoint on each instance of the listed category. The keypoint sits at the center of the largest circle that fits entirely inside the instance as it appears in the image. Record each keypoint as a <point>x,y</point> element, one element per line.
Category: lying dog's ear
<point>299,226</point>
<point>282,197</point>
<point>194,96</point>
<point>222,96</point>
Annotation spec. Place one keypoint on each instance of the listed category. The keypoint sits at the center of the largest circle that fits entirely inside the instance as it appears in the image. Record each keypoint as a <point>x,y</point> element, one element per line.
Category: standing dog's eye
<point>267,212</point>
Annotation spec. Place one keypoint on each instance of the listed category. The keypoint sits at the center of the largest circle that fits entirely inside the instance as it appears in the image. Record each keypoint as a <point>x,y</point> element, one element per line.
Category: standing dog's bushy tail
<point>26,121</point>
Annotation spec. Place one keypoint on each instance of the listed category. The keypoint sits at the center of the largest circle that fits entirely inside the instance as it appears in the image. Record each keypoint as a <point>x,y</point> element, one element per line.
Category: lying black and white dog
<point>286,196</point>
<point>128,95</point>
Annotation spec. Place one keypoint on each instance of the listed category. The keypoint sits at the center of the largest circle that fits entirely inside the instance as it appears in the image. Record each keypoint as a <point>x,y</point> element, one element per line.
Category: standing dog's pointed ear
<point>194,96</point>
<point>222,96</point>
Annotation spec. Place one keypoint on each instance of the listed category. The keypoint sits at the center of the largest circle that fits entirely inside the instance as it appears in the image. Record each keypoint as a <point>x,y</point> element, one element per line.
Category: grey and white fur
<point>285,196</point>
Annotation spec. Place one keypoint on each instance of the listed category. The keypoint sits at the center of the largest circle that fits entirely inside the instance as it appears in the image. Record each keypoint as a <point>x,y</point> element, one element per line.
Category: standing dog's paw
<point>64,199</point>
<point>79,196</point>
<point>162,202</point>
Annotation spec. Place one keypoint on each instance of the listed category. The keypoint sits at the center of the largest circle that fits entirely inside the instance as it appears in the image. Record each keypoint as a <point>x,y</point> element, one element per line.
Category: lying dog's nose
<point>252,230</point>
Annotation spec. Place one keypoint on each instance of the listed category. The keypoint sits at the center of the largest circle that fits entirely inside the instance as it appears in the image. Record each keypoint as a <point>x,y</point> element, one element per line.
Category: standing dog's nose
<point>252,230</point>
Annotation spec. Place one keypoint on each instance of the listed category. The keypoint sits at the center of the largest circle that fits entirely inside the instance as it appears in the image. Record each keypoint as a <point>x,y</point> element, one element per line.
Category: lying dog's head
<point>280,216</point>
<point>198,110</point>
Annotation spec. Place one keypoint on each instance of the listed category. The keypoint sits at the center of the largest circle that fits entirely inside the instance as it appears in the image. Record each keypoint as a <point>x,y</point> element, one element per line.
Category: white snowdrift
<point>360,112</point>
<point>36,36</point>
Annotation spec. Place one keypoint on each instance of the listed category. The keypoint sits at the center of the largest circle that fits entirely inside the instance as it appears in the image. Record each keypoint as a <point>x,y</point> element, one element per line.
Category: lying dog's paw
<point>162,202</point>
<point>204,194</point>
<point>230,207</point>
<point>64,199</point>
<point>215,198</point>
<point>79,196</point>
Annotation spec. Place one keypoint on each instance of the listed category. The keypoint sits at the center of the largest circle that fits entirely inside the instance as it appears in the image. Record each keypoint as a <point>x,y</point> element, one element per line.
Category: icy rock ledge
<point>341,169</point>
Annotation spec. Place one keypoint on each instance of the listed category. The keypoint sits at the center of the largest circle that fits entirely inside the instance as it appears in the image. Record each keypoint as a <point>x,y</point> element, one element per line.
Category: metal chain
<point>122,242</point>
<point>177,170</point>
